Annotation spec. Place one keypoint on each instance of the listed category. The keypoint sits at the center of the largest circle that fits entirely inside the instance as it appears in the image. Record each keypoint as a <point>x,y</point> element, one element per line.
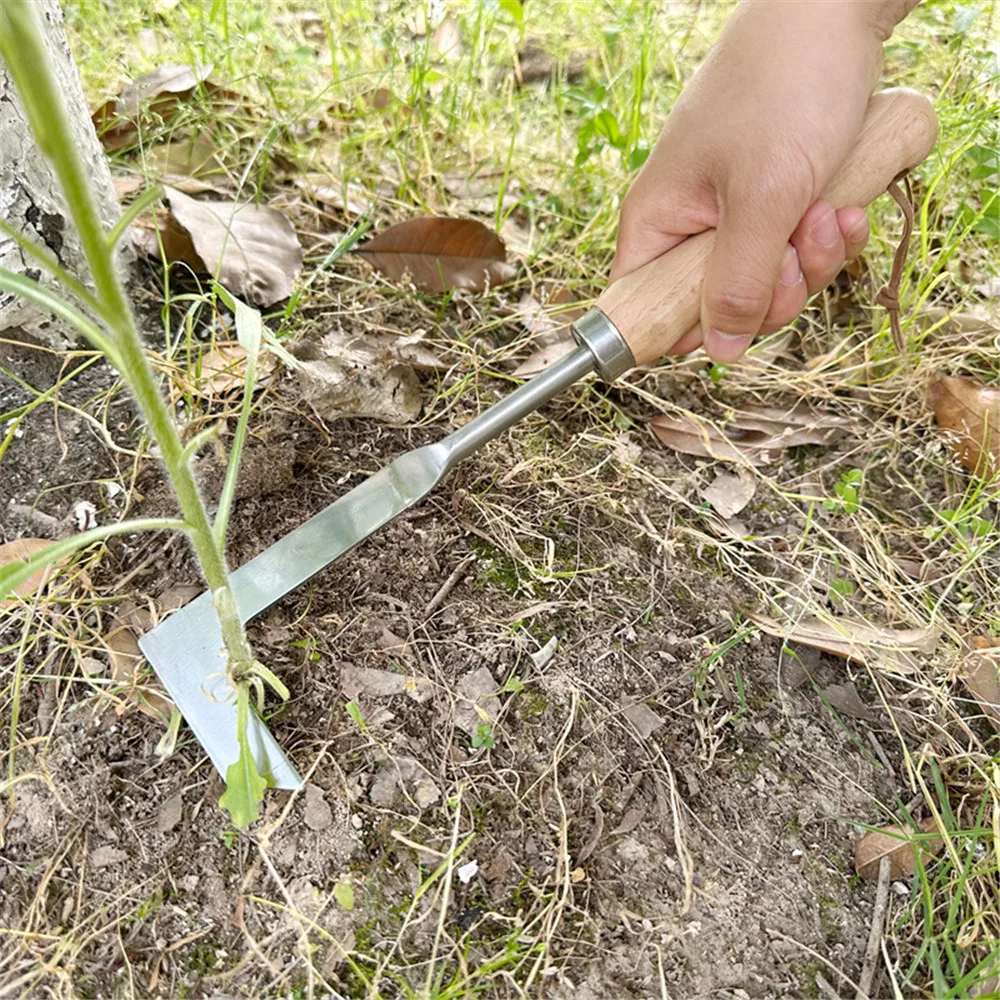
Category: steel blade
<point>187,651</point>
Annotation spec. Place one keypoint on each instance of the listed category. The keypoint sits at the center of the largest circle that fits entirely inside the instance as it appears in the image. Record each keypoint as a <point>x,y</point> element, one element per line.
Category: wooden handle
<point>656,305</point>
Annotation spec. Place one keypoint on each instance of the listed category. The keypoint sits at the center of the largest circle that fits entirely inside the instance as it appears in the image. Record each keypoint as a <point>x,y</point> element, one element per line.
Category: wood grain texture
<point>656,305</point>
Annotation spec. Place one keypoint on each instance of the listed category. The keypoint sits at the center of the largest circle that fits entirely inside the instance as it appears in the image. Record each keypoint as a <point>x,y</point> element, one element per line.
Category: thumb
<point>740,276</point>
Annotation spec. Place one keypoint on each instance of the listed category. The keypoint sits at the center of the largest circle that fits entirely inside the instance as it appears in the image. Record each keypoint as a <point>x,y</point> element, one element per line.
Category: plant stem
<point>29,67</point>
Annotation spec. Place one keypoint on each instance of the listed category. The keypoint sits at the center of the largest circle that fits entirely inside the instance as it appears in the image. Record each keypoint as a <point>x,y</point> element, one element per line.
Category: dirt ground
<point>661,807</point>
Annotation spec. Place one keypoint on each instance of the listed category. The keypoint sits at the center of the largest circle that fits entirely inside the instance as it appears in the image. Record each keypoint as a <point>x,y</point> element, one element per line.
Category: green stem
<point>28,64</point>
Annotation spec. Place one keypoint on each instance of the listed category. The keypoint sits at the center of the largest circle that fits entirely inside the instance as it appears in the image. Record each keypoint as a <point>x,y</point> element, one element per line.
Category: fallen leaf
<point>174,598</point>
<point>476,700</point>
<point>439,254</point>
<point>170,813</point>
<point>856,640</point>
<point>359,375</point>
<point>641,716</point>
<point>980,670</point>
<point>125,659</point>
<point>757,435</point>
<point>968,414</point>
<point>446,40</point>
<point>161,93</point>
<point>317,814</point>
<point>729,494</point>
<point>254,251</point>
<point>632,818</point>
<point>352,199</point>
<point>894,843</point>
<point>846,700</point>
<point>102,857</point>
<point>426,793</point>
<point>127,184</point>
<point>183,158</point>
<point>356,681</point>
<point>19,550</point>
<point>551,328</point>
<point>222,369</point>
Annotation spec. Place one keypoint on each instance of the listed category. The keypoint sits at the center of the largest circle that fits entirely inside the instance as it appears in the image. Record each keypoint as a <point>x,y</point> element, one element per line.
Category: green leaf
<point>244,783</point>
<point>354,711</point>
<point>516,11</point>
<point>964,18</point>
<point>276,685</point>
<point>244,789</point>
<point>343,893</point>
<point>638,156</point>
<point>606,124</point>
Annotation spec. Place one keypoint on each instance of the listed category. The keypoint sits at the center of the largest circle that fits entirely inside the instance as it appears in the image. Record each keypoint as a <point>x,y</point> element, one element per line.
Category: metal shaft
<point>517,405</point>
<point>603,350</point>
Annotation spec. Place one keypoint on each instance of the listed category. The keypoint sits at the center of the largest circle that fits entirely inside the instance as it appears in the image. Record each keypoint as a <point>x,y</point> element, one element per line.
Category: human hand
<point>747,150</point>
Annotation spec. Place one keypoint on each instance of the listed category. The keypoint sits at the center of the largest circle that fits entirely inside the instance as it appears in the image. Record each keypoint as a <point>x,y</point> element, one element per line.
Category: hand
<point>748,148</point>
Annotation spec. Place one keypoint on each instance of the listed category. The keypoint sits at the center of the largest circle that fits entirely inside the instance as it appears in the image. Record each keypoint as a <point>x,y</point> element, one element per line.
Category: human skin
<point>748,148</point>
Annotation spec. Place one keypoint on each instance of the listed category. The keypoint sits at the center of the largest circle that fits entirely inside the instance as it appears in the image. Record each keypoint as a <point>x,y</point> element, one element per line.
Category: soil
<point>671,813</point>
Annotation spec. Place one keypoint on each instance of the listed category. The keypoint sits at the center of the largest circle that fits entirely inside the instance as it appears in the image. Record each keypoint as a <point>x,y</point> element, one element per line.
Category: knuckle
<point>747,300</point>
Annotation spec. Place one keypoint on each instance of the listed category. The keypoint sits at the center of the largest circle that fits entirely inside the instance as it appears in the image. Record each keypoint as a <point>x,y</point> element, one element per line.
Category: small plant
<point>967,529</point>
<point>111,328</point>
<point>483,736</point>
<point>847,489</point>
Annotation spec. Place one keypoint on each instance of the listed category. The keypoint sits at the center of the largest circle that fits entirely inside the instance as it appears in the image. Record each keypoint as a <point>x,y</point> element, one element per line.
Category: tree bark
<point>30,197</point>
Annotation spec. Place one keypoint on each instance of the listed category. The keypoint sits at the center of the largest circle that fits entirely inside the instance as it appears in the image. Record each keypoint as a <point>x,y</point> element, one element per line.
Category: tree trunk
<point>30,198</point>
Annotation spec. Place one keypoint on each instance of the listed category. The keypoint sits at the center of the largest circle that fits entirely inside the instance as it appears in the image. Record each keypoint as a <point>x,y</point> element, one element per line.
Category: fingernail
<point>859,231</point>
<point>725,347</point>
<point>790,274</point>
<point>826,232</point>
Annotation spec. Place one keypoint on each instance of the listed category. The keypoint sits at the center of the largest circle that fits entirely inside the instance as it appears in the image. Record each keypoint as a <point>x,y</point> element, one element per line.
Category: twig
<point>448,586</point>
<point>825,988</point>
<point>875,933</point>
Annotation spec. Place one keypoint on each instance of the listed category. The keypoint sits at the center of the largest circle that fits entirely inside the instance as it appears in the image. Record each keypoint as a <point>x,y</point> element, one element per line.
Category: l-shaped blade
<point>186,650</point>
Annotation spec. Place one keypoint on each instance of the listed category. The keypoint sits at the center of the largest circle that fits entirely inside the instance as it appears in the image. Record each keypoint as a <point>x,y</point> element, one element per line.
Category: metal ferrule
<point>612,356</point>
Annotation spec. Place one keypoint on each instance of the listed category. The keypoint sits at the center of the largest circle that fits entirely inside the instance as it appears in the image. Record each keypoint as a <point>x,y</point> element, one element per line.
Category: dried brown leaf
<point>551,326</point>
<point>160,92</point>
<point>643,719</point>
<point>254,251</point>
<point>126,658</point>
<point>729,494</point>
<point>359,375</point>
<point>170,813</point>
<point>755,435</point>
<point>896,844</point>
<point>438,254</point>
<point>846,700</point>
<point>352,199</point>
<point>222,369</point>
<point>980,670</point>
<point>856,640</point>
<point>22,549</point>
<point>968,414</point>
<point>184,158</point>
<point>446,40</point>
<point>358,681</point>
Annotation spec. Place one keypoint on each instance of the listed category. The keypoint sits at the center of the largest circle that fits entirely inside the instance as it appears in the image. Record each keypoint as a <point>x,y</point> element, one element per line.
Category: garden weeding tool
<point>636,320</point>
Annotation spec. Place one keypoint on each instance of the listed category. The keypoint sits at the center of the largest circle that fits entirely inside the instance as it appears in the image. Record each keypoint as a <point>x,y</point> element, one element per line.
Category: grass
<point>551,163</point>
